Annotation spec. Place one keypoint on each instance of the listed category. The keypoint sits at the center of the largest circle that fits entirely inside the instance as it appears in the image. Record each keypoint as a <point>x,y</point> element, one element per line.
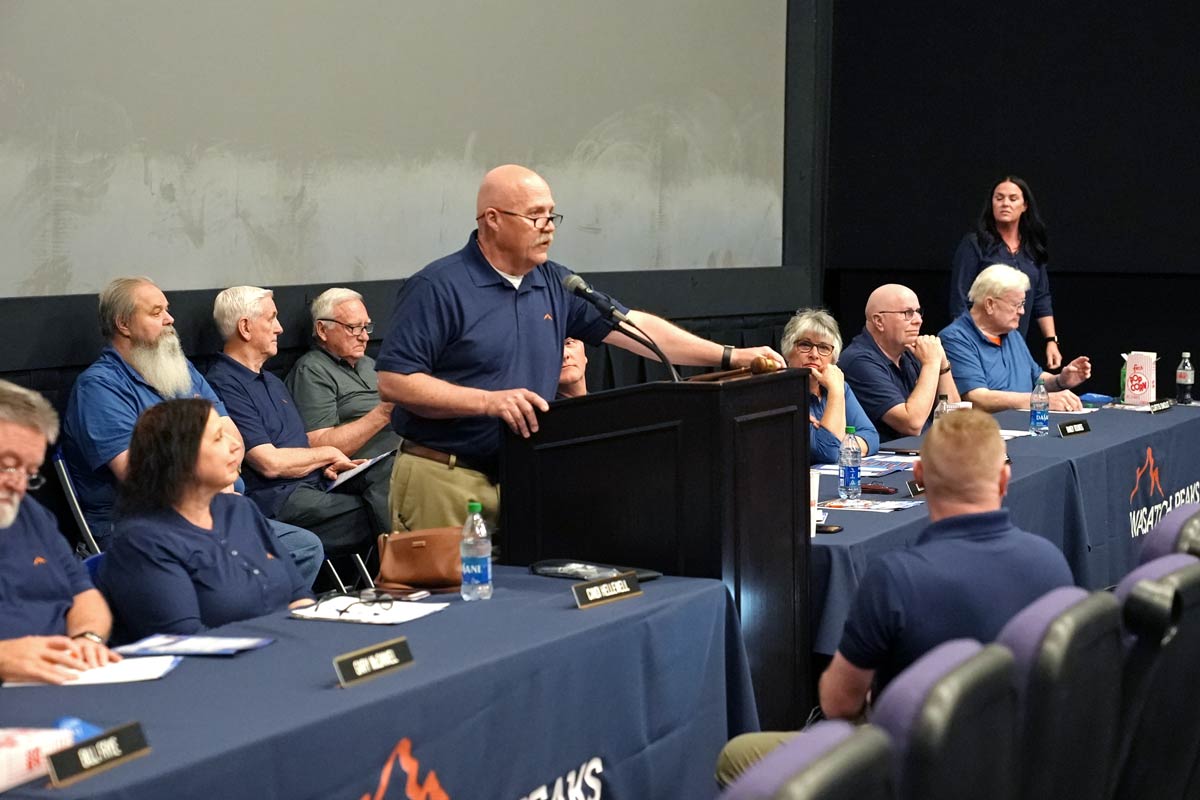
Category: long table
<point>1094,495</point>
<point>505,699</point>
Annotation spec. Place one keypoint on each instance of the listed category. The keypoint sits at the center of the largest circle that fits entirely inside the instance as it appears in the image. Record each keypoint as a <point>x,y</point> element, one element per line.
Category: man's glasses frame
<point>908,313</point>
<point>33,480</point>
<point>354,330</point>
<point>539,223</point>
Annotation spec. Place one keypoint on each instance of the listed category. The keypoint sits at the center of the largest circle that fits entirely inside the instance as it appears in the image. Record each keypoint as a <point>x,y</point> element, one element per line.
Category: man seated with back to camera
<point>993,367</point>
<point>966,576</point>
<point>477,336</point>
<point>811,339</point>
<point>52,620</point>
<point>141,366</point>
<point>897,373</point>
<point>285,476</point>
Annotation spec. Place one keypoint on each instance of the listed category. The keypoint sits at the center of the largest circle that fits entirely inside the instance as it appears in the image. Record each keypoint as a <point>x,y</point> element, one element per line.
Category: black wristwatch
<point>90,636</point>
<point>1052,339</point>
<point>727,357</point>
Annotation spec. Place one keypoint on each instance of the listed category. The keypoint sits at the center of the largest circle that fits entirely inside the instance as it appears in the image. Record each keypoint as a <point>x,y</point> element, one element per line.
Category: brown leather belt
<point>421,451</point>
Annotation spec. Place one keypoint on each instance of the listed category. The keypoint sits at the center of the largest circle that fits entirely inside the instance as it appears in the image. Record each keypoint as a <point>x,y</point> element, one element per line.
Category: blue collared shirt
<point>966,576</point>
<point>879,384</point>
<point>262,408</point>
<point>460,321</point>
<point>823,445</point>
<point>970,259</point>
<point>165,575</point>
<point>106,401</point>
<point>981,363</point>
<point>39,575</point>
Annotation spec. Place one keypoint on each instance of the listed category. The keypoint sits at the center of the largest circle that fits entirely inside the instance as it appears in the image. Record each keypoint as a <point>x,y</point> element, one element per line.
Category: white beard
<point>163,365</point>
<point>10,506</point>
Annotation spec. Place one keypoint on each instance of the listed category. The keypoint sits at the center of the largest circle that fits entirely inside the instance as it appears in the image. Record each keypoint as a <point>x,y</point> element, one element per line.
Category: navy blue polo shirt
<point>262,408</point>
<point>878,383</point>
<point>39,575</point>
<point>970,259</point>
<point>965,576</point>
<point>106,401</point>
<point>980,362</point>
<point>460,321</point>
<point>165,575</point>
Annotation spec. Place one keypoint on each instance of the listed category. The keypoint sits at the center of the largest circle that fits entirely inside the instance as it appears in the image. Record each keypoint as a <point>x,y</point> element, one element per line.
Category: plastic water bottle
<point>1039,410</point>
<point>849,464</point>
<point>939,410</point>
<point>476,551</point>
<point>1185,376</point>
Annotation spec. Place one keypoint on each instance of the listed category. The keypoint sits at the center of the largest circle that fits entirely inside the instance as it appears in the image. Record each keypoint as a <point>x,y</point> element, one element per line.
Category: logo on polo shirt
<point>431,789</point>
<point>548,316</point>
<point>39,560</point>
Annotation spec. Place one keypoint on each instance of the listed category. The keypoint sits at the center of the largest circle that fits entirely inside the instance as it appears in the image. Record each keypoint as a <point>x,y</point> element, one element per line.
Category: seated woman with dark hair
<point>186,556</point>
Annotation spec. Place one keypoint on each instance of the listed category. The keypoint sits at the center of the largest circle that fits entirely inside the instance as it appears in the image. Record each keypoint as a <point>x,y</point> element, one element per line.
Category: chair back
<point>68,487</point>
<point>93,563</point>
<point>952,719</point>
<point>830,760</point>
<point>1160,720</point>
<point>1068,650</point>
<point>1177,532</point>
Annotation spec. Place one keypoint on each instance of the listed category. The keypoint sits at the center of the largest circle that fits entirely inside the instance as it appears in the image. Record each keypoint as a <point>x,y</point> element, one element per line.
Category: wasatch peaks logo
<point>431,789</point>
<point>1148,468</point>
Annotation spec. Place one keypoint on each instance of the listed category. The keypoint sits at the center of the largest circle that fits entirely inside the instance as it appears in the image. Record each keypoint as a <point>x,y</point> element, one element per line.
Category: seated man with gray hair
<point>52,620</point>
<point>992,364</point>
<point>811,339</point>
<point>285,476</point>
<point>334,384</point>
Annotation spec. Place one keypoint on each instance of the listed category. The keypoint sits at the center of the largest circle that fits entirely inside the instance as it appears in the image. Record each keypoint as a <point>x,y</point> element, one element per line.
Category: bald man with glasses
<point>895,372</point>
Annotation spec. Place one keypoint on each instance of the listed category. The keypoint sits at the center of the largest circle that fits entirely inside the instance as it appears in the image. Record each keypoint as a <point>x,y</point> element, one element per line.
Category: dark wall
<point>1098,110</point>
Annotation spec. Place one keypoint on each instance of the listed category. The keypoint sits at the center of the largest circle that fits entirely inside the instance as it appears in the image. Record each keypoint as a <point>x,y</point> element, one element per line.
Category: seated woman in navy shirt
<point>811,339</point>
<point>187,557</point>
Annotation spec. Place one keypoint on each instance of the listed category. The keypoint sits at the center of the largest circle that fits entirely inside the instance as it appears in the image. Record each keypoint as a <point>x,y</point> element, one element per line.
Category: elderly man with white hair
<point>992,364</point>
<point>285,476</point>
<point>334,384</point>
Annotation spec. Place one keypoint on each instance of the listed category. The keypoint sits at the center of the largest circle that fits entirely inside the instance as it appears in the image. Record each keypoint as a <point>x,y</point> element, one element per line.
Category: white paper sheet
<point>129,670</point>
<point>350,609</point>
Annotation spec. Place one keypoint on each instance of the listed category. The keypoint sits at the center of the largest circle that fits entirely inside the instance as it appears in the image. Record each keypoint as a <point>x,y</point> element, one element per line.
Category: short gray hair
<point>328,300</point>
<point>237,303</point>
<point>996,280</point>
<point>809,321</point>
<point>28,409</point>
<point>117,304</point>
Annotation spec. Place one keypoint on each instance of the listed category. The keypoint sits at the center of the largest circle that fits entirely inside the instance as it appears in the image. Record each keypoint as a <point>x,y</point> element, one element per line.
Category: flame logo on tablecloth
<point>1148,468</point>
<point>402,754</point>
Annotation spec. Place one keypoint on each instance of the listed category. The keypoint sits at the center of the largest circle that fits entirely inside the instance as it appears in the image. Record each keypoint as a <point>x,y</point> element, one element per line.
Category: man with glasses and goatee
<point>478,336</point>
<point>896,373</point>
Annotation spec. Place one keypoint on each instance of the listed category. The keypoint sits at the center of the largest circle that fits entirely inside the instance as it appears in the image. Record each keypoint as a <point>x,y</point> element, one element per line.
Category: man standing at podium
<point>478,336</point>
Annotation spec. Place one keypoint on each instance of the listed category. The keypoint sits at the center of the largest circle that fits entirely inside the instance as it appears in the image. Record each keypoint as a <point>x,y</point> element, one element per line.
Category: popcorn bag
<point>1140,381</point>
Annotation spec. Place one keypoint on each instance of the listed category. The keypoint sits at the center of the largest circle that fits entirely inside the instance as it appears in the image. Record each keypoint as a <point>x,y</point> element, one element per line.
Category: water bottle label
<point>849,475</point>
<point>1039,418</point>
<point>1185,376</point>
<point>476,569</point>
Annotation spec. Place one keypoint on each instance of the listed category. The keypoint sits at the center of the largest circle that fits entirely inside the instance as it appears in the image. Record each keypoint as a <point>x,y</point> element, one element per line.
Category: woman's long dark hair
<point>1030,227</point>
<point>162,455</point>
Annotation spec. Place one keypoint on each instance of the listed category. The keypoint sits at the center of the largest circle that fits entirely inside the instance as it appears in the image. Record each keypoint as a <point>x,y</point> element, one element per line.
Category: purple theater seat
<point>952,719</point>
<point>1177,532</point>
<point>830,760</point>
<point>1069,654</point>
<point>1160,719</point>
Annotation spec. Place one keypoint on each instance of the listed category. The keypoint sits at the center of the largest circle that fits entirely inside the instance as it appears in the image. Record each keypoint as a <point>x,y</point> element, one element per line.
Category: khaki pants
<point>426,494</point>
<point>743,752</point>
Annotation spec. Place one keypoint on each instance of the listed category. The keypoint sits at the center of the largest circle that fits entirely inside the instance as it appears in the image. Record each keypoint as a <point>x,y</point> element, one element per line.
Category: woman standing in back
<point>1010,231</point>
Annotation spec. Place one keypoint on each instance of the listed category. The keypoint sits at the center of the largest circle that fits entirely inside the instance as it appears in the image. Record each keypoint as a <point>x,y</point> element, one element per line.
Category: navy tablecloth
<point>1093,495</point>
<point>633,699</point>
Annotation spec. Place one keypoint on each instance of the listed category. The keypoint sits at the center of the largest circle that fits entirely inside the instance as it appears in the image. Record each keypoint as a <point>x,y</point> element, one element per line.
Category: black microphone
<point>578,286</point>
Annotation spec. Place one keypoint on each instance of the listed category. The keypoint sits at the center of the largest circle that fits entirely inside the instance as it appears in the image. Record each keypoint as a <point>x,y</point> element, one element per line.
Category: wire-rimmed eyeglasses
<point>539,223</point>
<point>354,330</point>
<point>33,480</point>
<point>908,313</point>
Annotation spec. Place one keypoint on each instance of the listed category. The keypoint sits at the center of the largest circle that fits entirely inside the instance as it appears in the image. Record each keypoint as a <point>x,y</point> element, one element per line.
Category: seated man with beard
<point>142,365</point>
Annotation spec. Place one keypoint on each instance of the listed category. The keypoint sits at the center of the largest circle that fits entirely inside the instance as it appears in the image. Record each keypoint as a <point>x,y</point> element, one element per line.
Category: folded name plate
<point>97,754</point>
<point>369,662</point>
<point>914,489</point>
<point>606,590</point>
<point>1073,427</point>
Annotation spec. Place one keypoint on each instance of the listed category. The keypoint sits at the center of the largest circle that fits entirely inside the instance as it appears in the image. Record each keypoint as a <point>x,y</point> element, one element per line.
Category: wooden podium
<point>700,479</point>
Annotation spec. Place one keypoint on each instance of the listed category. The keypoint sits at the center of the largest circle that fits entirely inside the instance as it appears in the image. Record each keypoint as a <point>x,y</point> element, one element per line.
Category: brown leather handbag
<point>427,559</point>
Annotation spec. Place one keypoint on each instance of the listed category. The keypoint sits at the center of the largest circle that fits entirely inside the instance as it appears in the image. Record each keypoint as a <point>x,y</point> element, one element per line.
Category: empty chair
<point>1177,532</point>
<point>1160,716</point>
<point>829,761</point>
<point>952,718</point>
<point>1069,654</point>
